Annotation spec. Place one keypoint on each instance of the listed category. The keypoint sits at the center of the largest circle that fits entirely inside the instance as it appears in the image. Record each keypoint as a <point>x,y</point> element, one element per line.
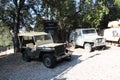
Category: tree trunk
<point>16,31</point>
<point>17,24</point>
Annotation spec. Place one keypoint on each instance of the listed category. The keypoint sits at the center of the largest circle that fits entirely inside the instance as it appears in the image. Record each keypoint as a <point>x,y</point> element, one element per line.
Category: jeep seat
<point>31,46</point>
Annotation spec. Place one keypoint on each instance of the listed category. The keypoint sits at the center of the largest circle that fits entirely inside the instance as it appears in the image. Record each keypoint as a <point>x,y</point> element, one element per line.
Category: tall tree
<point>93,12</point>
<point>114,10</point>
<point>63,12</point>
<point>17,14</point>
<point>18,6</point>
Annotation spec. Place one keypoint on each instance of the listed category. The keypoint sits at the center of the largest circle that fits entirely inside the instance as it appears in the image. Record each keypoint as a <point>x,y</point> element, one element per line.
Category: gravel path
<point>97,65</point>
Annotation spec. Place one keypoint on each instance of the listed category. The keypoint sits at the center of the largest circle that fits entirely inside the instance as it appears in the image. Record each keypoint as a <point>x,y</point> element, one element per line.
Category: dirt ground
<point>97,65</point>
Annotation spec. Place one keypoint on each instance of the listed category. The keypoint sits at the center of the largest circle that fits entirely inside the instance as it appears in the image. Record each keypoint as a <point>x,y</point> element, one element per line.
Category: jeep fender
<point>42,53</point>
<point>91,43</point>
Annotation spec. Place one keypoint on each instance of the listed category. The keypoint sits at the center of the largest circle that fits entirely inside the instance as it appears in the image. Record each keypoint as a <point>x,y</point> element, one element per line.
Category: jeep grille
<point>100,40</point>
<point>60,50</point>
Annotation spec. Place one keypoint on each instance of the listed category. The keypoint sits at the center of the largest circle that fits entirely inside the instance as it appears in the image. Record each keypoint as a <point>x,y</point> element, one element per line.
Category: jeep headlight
<point>103,40</point>
<point>96,41</point>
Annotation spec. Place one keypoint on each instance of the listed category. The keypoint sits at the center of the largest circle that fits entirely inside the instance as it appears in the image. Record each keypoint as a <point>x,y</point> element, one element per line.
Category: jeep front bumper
<point>65,55</point>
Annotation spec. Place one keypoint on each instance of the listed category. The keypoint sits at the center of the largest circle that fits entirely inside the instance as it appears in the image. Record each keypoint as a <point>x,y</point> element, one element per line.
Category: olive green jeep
<point>40,45</point>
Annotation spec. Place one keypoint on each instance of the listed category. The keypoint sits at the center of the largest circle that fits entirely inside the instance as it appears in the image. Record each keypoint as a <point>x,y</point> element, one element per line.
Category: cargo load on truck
<point>112,34</point>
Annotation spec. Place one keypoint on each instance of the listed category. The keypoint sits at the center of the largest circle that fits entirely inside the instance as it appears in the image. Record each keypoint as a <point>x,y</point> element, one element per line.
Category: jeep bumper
<point>99,44</point>
<point>65,55</point>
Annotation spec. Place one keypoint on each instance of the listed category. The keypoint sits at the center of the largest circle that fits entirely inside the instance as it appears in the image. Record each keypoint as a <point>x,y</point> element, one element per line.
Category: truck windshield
<point>89,31</point>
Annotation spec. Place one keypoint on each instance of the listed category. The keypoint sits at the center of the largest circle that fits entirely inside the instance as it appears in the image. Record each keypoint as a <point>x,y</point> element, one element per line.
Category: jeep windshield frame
<point>37,38</point>
<point>43,39</point>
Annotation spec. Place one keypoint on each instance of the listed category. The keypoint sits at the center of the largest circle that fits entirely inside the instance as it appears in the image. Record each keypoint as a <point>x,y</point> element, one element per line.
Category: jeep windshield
<point>43,39</point>
<point>89,31</point>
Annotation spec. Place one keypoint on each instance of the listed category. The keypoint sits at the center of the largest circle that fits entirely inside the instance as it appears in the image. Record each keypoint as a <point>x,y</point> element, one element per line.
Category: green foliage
<point>94,12</point>
<point>115,10</point>
<point>26,13</point>
<point>117,3</point>
<point>29,29</point>
<point>62,11</point>
<point>5,37</point>
<point>39,24</point>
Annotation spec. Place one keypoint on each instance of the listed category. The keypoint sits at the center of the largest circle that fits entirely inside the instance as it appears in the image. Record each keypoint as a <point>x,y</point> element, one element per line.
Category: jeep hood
<point>51,45</point>
<point>91,37</point>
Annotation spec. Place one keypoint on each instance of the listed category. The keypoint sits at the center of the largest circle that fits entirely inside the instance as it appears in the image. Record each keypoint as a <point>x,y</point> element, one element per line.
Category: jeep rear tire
<point>49,60</point>
<point>73,46</point>
<point>25,57</point>
<point>88,47</point>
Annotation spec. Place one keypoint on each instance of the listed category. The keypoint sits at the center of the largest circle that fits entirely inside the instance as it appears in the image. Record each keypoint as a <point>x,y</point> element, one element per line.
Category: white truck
<point>112,35</point>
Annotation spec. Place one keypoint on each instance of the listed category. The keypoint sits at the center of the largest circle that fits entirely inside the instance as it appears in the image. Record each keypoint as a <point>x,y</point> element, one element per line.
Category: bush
<point>5,38</point>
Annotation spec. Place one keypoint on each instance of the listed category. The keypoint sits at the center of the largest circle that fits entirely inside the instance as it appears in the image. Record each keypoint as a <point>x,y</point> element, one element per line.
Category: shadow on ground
<point>12,67</point>
<point>103,48</point>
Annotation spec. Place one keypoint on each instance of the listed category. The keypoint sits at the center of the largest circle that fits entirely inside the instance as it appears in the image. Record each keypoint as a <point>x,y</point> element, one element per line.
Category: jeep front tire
<point>49,60</point>
<point>69,58</point>
<point>73,46</point>
<point>88,47</point>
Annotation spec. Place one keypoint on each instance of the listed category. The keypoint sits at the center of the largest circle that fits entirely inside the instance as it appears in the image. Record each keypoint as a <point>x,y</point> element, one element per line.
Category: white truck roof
<point>114,24</point>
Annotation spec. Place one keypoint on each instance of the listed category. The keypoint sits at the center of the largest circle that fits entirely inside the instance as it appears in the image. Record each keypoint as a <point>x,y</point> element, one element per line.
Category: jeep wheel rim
<point>87,47</point>
<point>73,45</point>
<point>47,62</point>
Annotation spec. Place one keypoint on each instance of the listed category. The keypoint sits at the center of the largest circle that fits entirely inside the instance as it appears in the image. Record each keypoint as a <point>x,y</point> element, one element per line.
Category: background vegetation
<point>69,14</point>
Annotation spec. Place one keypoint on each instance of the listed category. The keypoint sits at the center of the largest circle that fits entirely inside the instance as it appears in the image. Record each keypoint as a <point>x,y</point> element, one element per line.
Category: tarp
<point>32,33</point>
<point>114,24</point>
